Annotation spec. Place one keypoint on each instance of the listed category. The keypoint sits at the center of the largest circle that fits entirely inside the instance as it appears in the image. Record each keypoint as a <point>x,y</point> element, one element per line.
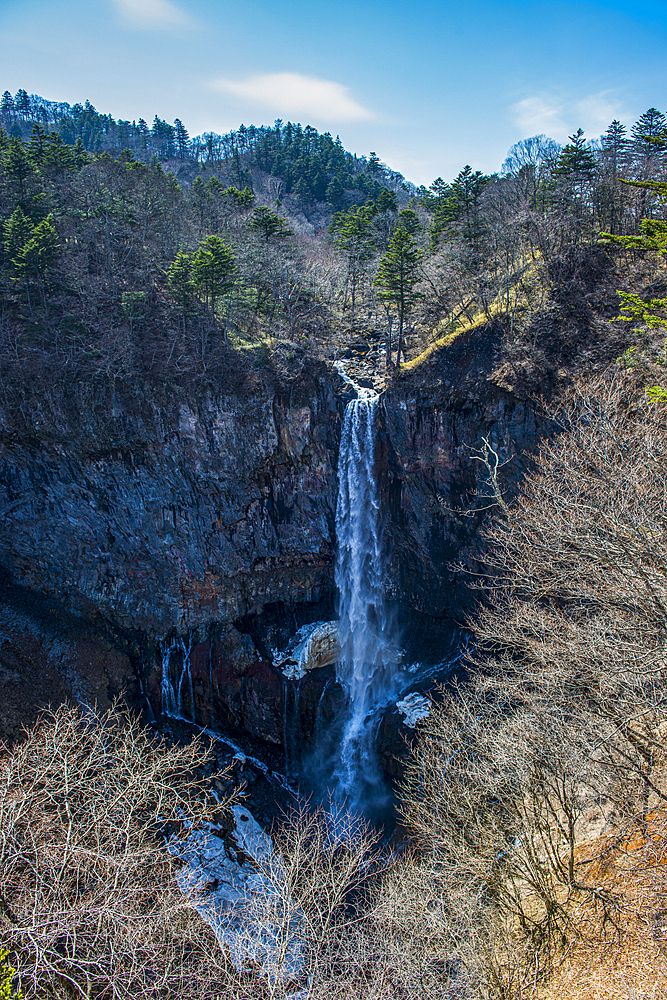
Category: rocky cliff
<point>169,547</point>
<point>436,489</point>
<point>135,520</point>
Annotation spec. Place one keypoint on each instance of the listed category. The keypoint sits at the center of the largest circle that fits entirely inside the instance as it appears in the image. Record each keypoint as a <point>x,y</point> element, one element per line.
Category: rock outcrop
<point>435,490</point>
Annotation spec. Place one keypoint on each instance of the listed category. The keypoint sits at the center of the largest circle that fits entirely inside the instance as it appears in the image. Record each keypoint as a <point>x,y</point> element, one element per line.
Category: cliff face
<point>436,490</point>
<point>168,517</point>
<point>176,515</point>
<point>205,532</point>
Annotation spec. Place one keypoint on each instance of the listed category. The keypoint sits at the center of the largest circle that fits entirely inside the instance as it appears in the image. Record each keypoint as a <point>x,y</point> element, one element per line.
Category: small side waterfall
<point>367,662</point>
<point>172,696</point>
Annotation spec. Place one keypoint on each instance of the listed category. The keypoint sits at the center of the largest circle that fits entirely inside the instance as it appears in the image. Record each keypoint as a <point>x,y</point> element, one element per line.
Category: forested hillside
<point>130,251</point>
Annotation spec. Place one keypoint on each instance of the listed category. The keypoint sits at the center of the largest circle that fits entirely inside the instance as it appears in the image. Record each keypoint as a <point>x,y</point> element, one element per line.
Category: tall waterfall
<point>367,659</point>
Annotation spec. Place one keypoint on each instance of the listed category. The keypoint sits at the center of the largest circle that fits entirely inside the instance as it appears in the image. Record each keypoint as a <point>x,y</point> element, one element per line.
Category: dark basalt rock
<point>138,523</point>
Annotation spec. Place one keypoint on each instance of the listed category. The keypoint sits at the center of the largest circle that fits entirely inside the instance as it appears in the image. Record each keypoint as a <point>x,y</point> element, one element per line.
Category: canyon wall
<point>134,520</point>
<point>131,523</point>
<point>436,490</point>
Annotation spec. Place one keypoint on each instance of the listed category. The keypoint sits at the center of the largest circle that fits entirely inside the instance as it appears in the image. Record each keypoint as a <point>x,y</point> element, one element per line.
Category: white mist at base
<point>367,663</point>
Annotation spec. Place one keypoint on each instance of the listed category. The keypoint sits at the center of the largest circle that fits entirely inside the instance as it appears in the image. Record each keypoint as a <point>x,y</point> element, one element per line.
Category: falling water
<point>172,697</point>
<point>367,660</point>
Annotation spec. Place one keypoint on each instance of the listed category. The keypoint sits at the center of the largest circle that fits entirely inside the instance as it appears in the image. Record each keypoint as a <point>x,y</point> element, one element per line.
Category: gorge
<point>333,593</point>
<point>174,550</point>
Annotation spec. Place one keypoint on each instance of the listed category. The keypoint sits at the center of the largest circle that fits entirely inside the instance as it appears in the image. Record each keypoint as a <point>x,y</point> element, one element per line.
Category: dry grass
<point>628,960</point>
<point>441,343</point>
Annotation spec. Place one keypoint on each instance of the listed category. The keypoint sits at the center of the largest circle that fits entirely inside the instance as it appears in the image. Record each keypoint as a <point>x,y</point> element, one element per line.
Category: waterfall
<point>367,657</point>
<point>172,697</point>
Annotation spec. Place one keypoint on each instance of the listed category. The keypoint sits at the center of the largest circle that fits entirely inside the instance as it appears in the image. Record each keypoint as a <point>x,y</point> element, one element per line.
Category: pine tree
<point>352,236</point>
<point>18,167</point>
<point>397,275</point>
<point>39,137</point>
<point>467,188</point>
<point>649,143</point>
<point>652,238</point>
<point>179,278</point>
<point>270,225</point>
<point>614,160</point>
<point>615,145</point>
<point>39,252</point>
<point>649,148</point>
<point>182,139</point>
<point>17,231</point>
<point>22,103</point>
<point>213,269</point>
<point>7,106</point>
<point>576,160</point>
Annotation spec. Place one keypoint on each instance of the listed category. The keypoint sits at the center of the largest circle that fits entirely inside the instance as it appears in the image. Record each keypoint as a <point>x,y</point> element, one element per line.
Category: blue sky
<point>429,86</point>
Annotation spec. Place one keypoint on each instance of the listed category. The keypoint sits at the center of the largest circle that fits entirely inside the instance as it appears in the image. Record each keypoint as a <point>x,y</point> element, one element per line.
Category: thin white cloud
<point>293,95</point>
<point>598,111</point>
<point>153,14</point>
<point>559,117</point>
<point>537,115</point>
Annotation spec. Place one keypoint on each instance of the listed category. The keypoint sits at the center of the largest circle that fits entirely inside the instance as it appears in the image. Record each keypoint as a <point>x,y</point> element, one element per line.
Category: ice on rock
<point>414,707</point>
<point>239,889</point>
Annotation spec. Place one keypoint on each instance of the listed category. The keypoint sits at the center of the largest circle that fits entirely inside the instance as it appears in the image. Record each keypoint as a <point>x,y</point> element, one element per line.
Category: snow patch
<point>238,886</point>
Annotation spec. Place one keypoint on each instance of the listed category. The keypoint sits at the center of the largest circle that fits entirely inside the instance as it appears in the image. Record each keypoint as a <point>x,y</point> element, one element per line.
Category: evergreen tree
<point>39,252</point>
<point>649,143</point>
<point>386,201</point>
<point>615,146</point>
<point>18,167</point>
<point>652,239</point>
<point>22,103</point>
<point>409,220</point>
<point>649,148</point>
<point>163,138</point>
<point>180,281</point>
<point>182,138</point>
<point>270,225</point>
<point>242,200</point>
<point>7,106</point>
<point>576,160</point>
<point>353,237</point>
<point>39,138</point>
<point>397,275</point>
<point>614,160</point>
<point>17,231</point>
<point>467,188</point>
<point>213,269</point>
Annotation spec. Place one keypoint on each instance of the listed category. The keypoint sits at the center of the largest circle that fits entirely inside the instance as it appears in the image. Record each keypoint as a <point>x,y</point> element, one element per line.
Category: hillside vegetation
<point>187,264</point>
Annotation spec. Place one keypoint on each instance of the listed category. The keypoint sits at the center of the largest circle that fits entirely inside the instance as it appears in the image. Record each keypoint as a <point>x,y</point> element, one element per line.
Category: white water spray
<point>367,658</point>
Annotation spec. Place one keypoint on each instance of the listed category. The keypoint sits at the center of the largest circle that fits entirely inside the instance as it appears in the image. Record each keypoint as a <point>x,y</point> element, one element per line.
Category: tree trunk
<point>390,320</point>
